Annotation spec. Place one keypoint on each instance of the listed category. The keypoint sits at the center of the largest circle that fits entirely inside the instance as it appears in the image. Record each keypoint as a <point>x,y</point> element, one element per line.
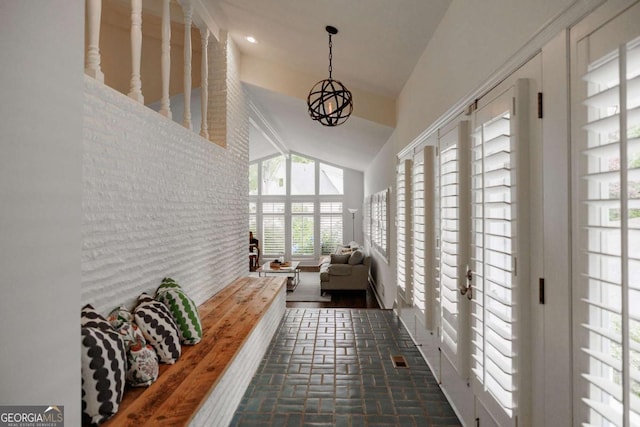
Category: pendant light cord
<point>330,56</point>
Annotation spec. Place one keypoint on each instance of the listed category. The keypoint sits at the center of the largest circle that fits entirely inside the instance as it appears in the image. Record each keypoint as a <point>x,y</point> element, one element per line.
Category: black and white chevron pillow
<point>103,368</point>
<point>155,321</point>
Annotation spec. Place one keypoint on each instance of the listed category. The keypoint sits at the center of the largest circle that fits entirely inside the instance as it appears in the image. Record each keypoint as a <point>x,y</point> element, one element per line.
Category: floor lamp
<point>353,223</point>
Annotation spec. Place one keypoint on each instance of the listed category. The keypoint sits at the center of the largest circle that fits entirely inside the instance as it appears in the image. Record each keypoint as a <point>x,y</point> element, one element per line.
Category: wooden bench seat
<point>248,309</point>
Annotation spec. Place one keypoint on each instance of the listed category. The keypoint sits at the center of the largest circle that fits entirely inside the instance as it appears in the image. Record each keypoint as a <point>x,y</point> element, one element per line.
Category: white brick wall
<point>220,58</point>
<point>159,200</point>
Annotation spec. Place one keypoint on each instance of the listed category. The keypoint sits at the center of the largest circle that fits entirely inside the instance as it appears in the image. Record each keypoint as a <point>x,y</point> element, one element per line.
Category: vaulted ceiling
<point>378,44</point>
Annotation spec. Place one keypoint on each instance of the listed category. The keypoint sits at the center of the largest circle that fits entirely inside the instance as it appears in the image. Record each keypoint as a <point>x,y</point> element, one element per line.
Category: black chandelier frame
<point>329,101</point>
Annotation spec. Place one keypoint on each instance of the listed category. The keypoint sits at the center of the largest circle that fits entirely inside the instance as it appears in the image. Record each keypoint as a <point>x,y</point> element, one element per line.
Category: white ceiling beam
<point>262,125</point>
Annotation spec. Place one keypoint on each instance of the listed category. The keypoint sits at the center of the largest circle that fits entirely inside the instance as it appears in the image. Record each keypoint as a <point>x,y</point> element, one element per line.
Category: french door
<point>499,253</point>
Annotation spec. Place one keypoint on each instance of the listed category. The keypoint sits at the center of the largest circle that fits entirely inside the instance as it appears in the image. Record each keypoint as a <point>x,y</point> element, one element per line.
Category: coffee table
<point>291,270</point>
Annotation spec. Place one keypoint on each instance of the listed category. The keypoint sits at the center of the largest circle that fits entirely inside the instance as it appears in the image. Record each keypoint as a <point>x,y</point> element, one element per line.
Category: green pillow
<point>183,310</point>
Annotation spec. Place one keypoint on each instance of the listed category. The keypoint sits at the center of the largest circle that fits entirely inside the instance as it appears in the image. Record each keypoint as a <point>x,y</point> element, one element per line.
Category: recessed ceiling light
<point>251,39</point>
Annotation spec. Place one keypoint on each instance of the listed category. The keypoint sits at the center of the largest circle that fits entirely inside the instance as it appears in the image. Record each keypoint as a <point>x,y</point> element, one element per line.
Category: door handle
<point>468,289</point>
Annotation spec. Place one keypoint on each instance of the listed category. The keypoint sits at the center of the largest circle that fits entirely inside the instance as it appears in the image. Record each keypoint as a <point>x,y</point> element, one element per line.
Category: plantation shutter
<point>302,229</point>
<point>253,219</point>
<point>273,228</point>
<point>494,249</point>
<point>423,242</point>
<point>607,239</point>
<point>404,260</point>
<point>452,219</point>
<point>330,226</point>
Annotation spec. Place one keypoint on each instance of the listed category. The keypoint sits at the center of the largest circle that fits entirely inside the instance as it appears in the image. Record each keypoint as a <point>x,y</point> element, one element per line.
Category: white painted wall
<point>159,200</point>
<point>353,198</point>
<point>473,40</point>
<point>379,175</point>
<point>40,203</point>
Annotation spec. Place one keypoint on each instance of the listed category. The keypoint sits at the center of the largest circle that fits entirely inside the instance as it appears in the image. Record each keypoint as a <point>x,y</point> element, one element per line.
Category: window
<point>293,218</point>
<point>331,180</point>
<point>607,240</point>
<point>379,221</point>
<point>330,226</point>
<point>404,253</point>
<point>253,219</point>
<point>419,253</point>
<point>451,254</point>
<point>253,179</point>
<point>302,229</point>
<point>303,175</point>
<point>422,196</point>
<point>273,229</point>
<point>274,176</point>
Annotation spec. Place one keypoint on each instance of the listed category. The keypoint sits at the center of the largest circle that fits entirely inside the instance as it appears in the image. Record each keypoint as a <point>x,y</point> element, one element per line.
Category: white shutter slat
<point>606,385</point>
<point>604,358</point>
<point>610,413</point>
<point>605,74</point>
<point>611,96</point>
<point>605,333</point>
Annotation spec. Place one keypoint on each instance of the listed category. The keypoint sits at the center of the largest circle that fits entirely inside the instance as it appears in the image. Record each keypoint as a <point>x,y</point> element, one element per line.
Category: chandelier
<point>329,101</point>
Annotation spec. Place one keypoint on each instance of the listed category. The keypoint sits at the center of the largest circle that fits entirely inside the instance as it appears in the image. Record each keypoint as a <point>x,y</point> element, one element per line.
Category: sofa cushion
<point>340,259</point>
<point>356,257</point>
<point>339,270</point>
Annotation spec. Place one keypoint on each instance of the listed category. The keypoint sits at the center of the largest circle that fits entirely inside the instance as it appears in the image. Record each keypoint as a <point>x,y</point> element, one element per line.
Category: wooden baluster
<point>204,80</point>
<point>135,88</point>
<point>188,12</point>
<point>92,60</point>
<point>165,108</point>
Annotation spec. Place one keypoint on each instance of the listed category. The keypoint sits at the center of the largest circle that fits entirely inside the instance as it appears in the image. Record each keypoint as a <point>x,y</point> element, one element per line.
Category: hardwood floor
<point>343,299</point>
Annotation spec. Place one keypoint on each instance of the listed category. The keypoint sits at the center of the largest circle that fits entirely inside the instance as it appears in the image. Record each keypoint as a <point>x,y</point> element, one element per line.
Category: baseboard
<point>374,288</point>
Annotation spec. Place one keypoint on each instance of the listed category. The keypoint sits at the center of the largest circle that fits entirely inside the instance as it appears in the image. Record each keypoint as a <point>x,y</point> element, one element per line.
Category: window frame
<point>287,198</point>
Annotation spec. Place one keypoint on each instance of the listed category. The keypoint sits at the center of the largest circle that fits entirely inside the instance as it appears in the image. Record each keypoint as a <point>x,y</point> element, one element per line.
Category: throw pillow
<point>159,329</point>
<point>183,310</point>
<point>356,257</point>
<point>340,259</point>
<point>142,360</point>
<point>103,367</point>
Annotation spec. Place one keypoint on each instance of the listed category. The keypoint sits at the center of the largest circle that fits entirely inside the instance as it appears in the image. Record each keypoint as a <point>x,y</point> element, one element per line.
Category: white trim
<point>203,17</point>
<point>572,14</point>
<point>262,125</point>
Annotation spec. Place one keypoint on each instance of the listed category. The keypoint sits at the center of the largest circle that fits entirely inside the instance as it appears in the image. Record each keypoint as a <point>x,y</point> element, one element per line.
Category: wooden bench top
<point>227,321</point>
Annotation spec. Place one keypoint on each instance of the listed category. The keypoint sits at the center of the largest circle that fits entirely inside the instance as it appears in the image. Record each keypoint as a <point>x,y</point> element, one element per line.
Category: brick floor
<point>333,367</point>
